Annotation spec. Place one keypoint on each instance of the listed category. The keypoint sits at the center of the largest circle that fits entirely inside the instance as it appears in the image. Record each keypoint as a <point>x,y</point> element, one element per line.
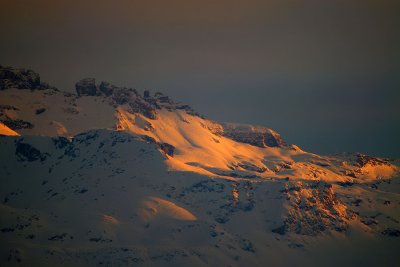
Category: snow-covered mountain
<point>114,177</point>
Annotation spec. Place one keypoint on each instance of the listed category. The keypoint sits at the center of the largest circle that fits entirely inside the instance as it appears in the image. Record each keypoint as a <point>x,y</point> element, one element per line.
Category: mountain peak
<point>21,79</point>
<point>110,167</point>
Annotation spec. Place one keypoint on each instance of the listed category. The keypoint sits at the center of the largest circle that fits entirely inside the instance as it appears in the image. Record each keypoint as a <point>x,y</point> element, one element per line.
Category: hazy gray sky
<point>325,74</point>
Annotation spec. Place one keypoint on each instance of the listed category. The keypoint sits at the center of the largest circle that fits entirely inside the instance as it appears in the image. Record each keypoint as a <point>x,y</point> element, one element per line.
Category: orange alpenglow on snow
<point>112,172</point>
<point>4,130</point>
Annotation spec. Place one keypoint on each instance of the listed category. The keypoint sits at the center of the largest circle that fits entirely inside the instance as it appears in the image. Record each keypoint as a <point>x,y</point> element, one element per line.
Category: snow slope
<point>106,197</point>
<point>200,145</point>
<point>53,113</point>
<point>115,178</point>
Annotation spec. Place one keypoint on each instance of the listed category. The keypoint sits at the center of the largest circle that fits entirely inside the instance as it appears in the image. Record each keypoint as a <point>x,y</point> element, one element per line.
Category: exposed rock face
<point>40,111</point>
<point>167,149</point>
<point>162,98</point>
<point>363,160</point>
<point>391,232</point>
<point>253,135</point>
<point>26,152</point>
<point>16,124</point>
<point>20,79</point>
<point>120,96</point>
<point>11,122</point>
<point>214,127</point>
<point>86,86</point>
<point>123,96</point>
<point>188,109</point>
<point>144,108</point>
<point>314,208</point>
<point>106,88</point>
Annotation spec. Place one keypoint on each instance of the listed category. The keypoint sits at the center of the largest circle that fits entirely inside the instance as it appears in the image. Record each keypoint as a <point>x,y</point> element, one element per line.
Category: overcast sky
<point>325,74</point>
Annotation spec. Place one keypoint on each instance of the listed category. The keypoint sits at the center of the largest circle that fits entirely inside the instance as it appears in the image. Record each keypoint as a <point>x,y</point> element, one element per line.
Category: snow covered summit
<point>113,176</point>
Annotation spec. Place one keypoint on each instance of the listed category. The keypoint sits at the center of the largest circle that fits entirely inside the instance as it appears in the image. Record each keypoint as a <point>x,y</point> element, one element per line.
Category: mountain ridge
<point>110,176</point>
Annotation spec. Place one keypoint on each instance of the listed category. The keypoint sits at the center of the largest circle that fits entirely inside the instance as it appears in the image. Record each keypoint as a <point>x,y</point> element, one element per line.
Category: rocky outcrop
<point>106,88</point>
<point>391,232</point>
<point>249,134</point>
<point>144,108</point>
<point>188,109</point>
<point>122,96</point>
<point>253,135</point>
<point>161,98</point>
<point>20,79</point>
<point>313,208</point>
<point>26,152</point>
<point>363,160</point>
<point>86,86</point>
<point>11,122</point>
<point>16,124</point>
<point>166,148</point>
